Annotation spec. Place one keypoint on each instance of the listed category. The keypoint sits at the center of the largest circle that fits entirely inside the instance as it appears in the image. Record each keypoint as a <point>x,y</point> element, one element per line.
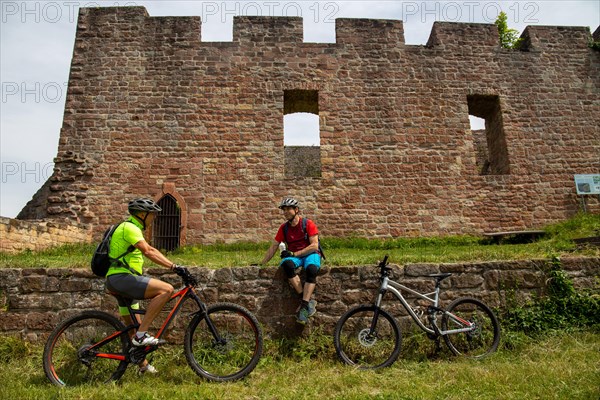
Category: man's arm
<point>270,253</point>
<point>313,247</point>
<point>153,254</point>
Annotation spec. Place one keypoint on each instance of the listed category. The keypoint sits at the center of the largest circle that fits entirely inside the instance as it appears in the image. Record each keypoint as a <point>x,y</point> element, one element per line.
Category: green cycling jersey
<point>127,234</point>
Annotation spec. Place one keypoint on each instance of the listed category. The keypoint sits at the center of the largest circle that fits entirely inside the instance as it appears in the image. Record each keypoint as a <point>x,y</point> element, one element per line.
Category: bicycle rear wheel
<point>69,355</point>
<point>479,342</point>
<point>354,344</point>
<point>236,349</point>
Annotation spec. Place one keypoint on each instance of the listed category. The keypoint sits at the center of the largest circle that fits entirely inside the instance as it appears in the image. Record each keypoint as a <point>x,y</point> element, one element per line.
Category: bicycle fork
<point>377,304</point>
<point>218,340</point>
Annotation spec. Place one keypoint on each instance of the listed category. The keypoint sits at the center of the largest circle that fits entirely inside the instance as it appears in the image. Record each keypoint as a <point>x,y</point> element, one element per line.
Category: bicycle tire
<point>354,347</point>
<point>65,361</point>
<point>478,344</point>
<point>236,356</point>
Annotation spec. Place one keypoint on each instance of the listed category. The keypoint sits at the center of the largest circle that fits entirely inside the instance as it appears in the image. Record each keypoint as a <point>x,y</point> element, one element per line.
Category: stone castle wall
<point>33,301</point>
<point>150,106</point>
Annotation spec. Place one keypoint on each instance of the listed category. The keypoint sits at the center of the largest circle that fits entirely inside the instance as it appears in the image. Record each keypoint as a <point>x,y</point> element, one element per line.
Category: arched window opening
<point>167,225</point>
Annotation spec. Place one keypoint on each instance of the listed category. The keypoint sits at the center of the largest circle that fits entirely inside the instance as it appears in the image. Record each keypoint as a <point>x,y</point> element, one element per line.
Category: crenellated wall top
<point>275,31</point>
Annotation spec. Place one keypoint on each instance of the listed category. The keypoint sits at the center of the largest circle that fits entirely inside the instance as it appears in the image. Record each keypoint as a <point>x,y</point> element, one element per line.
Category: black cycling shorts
<point>128,286</point>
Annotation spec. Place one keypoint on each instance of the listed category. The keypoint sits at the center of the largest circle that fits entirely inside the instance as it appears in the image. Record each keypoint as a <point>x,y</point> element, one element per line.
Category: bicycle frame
<point>388,285</point>
<point>182,294</point>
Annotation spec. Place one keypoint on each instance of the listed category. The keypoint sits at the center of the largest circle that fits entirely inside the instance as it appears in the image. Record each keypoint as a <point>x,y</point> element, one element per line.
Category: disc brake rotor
<point>366,339</point>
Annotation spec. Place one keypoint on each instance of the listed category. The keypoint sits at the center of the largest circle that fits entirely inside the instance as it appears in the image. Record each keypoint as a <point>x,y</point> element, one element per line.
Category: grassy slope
<point>349,251</point>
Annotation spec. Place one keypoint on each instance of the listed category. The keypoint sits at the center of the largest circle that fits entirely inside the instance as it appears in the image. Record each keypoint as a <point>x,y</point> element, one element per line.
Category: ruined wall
<point>33,301</point>
<point>17,235</point>
<point>151,105</point>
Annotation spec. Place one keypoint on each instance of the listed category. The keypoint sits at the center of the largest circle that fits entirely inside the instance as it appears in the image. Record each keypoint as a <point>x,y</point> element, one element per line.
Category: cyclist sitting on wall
<point>302,251</point>
<point>125,278</point>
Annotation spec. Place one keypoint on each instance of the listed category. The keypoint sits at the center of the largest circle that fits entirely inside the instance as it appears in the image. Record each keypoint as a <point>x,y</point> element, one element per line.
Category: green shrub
<point>562,308</point>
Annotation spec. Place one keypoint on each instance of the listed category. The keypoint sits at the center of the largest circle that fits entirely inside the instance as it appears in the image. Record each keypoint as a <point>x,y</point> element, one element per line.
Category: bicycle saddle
<point>440,277</point>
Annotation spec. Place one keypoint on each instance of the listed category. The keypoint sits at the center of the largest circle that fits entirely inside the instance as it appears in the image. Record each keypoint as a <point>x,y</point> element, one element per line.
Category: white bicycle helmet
<point>289,202</point>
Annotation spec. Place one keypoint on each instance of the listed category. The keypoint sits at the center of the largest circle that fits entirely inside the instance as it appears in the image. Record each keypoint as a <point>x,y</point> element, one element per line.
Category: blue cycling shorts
<point>314,259</point>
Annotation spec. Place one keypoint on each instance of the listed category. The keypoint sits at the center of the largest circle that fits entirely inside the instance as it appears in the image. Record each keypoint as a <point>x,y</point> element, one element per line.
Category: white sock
<point>140,334</point>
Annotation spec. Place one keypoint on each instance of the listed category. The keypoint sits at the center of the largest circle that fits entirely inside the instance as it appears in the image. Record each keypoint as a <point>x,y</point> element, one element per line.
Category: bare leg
<point>309,288</point>
<point>306,293</point>
<point>160,292</point>
<point>296,284</point>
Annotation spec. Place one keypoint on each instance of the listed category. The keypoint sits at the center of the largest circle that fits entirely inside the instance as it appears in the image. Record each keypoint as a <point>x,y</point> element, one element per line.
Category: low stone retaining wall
<point>33,301</point>
<point>18,235</point>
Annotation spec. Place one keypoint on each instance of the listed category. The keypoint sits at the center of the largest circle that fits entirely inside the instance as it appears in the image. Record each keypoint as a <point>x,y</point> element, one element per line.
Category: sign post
<point>587,184</point>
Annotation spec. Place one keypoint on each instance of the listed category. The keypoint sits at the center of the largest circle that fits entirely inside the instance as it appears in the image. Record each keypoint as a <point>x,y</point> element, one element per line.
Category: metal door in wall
<point>167,225</point>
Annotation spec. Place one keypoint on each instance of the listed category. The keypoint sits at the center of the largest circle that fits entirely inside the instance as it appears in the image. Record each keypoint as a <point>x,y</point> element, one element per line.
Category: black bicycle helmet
<point>289,202</point>
<point>143,205</point>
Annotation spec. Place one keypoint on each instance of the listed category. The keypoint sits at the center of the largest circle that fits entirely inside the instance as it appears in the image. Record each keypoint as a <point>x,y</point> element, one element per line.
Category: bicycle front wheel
<point>356,344</point>
<point>484,337</point>
<point>79,350</point>
<point>231,351</point>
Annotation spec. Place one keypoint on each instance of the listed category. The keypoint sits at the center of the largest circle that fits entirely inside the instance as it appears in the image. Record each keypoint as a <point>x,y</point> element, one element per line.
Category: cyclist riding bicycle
<point>302,251</point>
<point>128,247</point>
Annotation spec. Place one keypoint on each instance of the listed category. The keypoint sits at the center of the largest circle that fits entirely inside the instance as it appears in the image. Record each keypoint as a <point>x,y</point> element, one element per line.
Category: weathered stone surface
<point>18,235</point>
<point>33,301</point>
<point>396,158</point>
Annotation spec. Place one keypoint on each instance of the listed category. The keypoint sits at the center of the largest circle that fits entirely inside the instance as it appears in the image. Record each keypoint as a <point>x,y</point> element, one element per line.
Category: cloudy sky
<point>37,42</point>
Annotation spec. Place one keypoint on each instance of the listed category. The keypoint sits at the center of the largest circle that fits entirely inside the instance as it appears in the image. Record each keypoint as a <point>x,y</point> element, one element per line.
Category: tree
<point>509,38</point>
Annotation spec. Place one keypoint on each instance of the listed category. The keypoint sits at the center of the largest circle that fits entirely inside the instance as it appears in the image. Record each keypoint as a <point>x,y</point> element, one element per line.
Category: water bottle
<point>281,247</point>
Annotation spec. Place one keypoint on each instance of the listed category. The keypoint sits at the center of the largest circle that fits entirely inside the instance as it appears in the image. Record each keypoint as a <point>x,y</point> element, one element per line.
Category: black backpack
<point>304,222</point>
<point>101,261</point>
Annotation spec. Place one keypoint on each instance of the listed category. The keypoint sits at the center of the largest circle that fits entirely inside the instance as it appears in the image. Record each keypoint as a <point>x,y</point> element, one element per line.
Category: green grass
<point>557,366</point>
<point>350,251</point>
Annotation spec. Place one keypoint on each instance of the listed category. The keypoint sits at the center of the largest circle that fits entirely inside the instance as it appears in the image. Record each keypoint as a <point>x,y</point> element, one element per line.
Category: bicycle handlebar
<point>384,262</point>
<point>384,269</point>
<point>187,278</point>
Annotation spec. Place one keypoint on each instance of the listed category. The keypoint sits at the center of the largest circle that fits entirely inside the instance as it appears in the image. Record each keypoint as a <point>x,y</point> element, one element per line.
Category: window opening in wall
<point>476,123</point>
<point>167,225</point>
<point>485,117</point>
<point>479,143</point>
<point>301,134</point>
<point>301,129</point>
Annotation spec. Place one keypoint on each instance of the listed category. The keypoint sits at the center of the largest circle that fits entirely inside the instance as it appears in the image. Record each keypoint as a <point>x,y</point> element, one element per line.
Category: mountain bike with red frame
<point>223,342</point>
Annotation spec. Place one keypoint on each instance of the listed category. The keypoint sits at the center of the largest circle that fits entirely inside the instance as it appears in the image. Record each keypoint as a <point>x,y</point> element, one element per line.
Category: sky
<point>37,38</point>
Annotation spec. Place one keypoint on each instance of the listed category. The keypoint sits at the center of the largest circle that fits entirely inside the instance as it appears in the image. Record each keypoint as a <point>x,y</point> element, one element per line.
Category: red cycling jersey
<point>295,236</point>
